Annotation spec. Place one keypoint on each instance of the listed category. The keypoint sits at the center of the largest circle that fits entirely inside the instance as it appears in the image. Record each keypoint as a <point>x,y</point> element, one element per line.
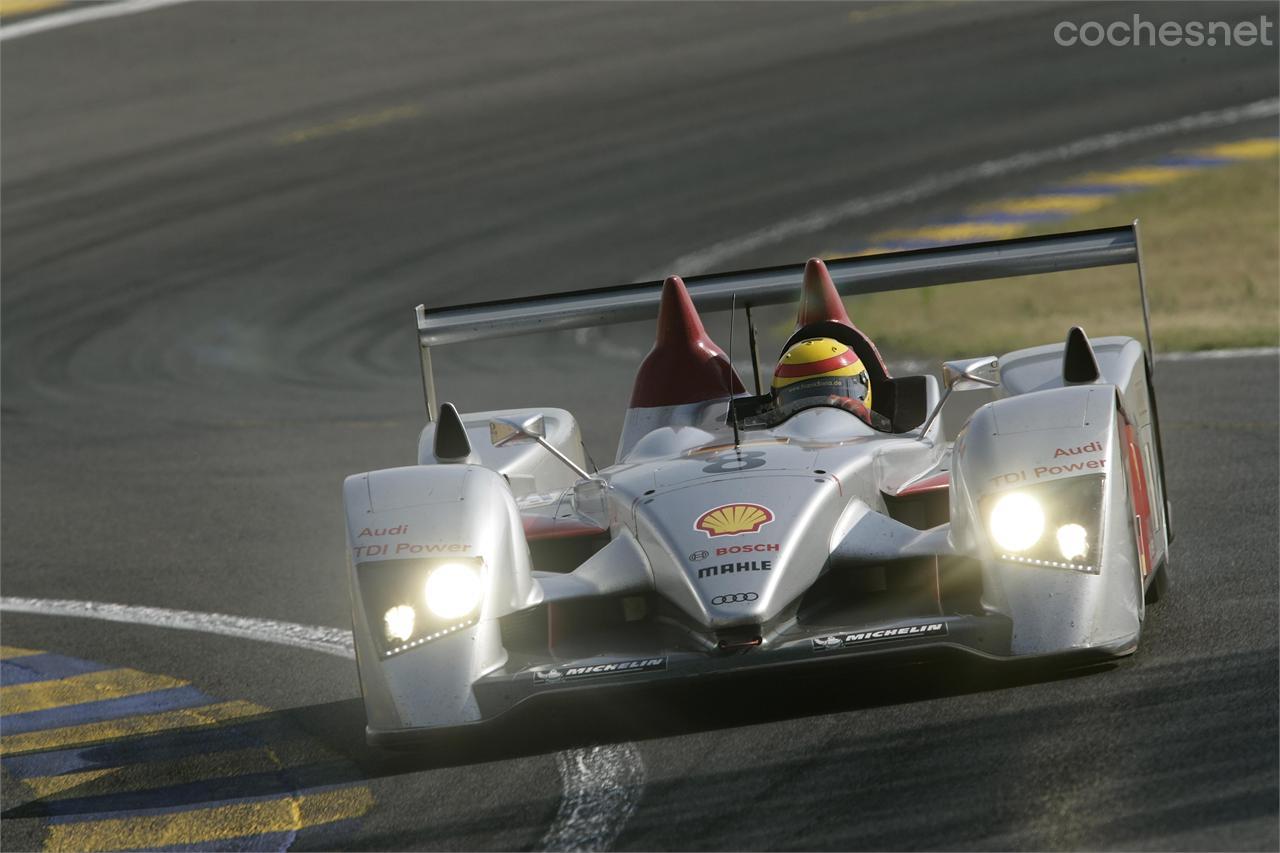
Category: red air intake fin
<point>685,365</point>
<point>819,299</point>
<point>820,305</point>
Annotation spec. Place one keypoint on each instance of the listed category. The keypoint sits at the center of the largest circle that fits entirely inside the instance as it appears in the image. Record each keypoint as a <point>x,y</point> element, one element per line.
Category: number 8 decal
<point>740,460</point>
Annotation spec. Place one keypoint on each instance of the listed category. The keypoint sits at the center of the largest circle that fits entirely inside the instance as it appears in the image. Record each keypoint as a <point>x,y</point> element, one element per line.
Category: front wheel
<point>1159,586</point>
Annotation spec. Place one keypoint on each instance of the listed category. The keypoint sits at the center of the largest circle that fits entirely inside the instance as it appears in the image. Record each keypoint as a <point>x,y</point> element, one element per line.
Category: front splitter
<point>984,639</point>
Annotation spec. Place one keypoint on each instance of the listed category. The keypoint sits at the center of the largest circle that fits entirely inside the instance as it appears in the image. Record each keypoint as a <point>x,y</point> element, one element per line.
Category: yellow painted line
<point>1138,176</point>
<point>214,824</point>
<point>27,7</point>
<point>45,787</point>
<point>1049,203</point>
<point>142,725</point>
<point>1247,149</point>
<point>959,231</point>
<point>346,125</point>
<point>214,765</point>
<point>861,253</point>
<point>1055,203</point>
<point>86,687</point>
<point>7,652</point>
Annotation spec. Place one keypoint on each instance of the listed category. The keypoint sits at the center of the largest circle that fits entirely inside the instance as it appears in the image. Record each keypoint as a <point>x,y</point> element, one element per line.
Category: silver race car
<point>821,519</point>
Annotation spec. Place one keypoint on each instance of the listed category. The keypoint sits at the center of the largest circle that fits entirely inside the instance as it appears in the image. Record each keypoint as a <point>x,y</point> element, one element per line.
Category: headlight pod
<point>1054,525</point>
<point>411,602</point>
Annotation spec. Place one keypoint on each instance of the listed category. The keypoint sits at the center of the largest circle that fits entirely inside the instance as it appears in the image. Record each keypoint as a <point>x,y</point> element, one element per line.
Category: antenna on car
<point>751,342</point>
<point>733,412</point>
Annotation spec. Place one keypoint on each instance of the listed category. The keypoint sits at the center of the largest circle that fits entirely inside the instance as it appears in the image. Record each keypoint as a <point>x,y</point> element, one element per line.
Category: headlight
<point>1073,541</point>
<point>1055,525</point>
<point>452,590</point>
<point>411,602</point>
<point>398,623</point>
<point>1017,521</point>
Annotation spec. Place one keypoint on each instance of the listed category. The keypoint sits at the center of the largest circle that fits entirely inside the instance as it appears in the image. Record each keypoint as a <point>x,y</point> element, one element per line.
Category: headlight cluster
<point>1057,525</point>
<point>412,602</point>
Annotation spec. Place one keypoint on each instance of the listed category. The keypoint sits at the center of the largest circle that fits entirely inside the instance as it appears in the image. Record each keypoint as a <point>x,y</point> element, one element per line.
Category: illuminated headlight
<point>1017,521</point>
<point>410,603</point>
<point>1054,525</point>
<point>452,590</point>
<point>398,623</point>
<point>1073,541</point>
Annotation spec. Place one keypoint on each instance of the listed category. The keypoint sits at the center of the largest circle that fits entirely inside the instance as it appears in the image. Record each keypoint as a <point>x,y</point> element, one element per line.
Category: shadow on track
<point>563,721</point>
<point>159,770</point>
<point>1191,726</point>
<point>323,745</point>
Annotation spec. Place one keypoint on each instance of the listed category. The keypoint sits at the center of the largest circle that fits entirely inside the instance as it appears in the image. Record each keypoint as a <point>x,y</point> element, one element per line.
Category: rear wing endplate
<point>968,262</point>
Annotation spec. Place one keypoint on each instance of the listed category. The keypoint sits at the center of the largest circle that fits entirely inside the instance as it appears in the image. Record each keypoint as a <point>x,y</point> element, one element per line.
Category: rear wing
<point>967,262</point>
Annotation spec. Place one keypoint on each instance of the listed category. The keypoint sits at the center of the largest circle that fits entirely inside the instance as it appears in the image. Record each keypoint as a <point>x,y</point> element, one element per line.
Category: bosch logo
<point>698,556</point>
<point>735,598</point>
<point>746,549</point>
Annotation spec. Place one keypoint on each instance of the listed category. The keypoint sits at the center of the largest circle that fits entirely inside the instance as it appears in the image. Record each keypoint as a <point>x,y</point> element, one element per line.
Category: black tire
<point>1159,587</point>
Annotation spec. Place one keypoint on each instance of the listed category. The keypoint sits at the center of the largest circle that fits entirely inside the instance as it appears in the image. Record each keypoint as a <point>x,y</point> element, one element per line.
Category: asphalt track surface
<point>216,219</point>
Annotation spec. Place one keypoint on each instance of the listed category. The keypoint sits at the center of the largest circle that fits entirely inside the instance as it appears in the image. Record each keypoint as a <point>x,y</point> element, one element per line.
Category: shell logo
<point>734,519</point>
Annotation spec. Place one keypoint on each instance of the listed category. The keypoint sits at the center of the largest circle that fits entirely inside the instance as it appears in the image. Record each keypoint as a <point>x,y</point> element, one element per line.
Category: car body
<point>723,540</point>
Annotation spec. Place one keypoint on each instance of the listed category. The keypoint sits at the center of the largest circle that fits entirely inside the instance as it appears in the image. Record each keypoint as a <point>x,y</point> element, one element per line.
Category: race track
<point>216,221</point>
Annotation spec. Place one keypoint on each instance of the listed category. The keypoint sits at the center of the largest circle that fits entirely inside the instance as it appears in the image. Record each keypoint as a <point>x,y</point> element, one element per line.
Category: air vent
<point>1079,364</point>
<point>451,444</point>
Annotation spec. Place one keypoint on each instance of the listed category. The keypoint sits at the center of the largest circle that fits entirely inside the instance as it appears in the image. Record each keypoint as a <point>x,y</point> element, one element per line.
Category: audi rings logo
<point>735,598</point>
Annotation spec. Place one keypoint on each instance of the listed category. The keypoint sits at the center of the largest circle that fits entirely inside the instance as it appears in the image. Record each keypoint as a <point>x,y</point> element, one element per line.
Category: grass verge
<point>1211,244</point>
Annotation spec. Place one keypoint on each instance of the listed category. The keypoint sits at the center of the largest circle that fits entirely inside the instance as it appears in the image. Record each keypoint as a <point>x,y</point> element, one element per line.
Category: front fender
<point>1022,443</point>
<point>408,520</point>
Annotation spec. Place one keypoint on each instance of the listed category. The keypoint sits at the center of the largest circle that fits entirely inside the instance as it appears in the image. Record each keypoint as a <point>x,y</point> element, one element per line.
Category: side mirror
<point>971,374</point>
<point>503,431</point>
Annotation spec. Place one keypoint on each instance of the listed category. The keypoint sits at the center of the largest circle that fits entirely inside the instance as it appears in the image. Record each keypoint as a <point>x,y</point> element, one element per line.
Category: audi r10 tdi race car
<point>824,518</point>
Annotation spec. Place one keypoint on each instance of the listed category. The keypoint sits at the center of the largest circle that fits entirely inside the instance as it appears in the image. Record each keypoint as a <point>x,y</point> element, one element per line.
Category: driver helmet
<point>813,371</point>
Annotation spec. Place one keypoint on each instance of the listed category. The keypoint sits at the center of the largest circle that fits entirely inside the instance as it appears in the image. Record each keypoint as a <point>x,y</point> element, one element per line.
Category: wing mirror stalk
<point>504,431</point>
<point>971,374</point>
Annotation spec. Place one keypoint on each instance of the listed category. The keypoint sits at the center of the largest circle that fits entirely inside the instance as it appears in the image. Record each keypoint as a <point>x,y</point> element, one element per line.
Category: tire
<point>1159,586</point>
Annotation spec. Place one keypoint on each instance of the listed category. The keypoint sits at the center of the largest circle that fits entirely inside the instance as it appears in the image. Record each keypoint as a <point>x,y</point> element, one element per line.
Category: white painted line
<point>81,15</point>
<point>602,787</point>
<point>601,784</point>
<point>715,256</point>
<point>1216,354</point>
<point>333,641</point>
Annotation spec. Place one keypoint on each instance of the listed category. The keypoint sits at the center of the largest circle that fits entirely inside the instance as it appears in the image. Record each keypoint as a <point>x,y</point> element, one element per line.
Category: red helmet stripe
<point>817,368</point>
